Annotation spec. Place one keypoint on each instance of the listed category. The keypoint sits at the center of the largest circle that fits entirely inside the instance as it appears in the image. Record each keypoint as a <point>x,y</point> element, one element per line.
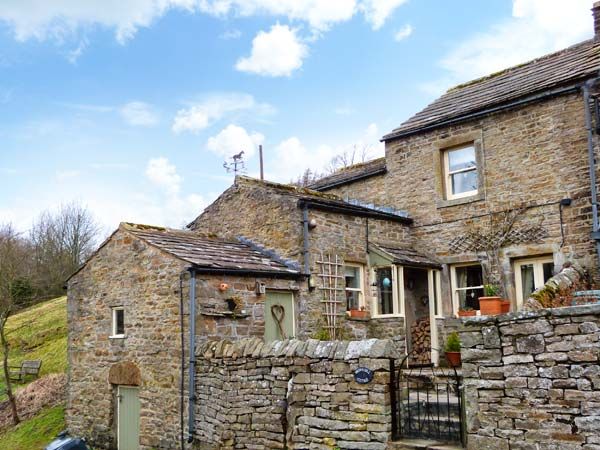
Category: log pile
<point>420,335</point>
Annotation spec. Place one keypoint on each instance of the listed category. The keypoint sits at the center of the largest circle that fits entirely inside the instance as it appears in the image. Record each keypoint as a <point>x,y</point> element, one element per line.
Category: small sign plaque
<point>363,375</point>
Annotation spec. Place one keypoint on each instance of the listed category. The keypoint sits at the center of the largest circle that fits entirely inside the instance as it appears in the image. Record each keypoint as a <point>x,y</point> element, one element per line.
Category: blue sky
<point>131,107</point>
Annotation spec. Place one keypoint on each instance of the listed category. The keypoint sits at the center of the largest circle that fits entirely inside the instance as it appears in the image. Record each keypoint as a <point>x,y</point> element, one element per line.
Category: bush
<point>491,290</point>
<point>453,342</point>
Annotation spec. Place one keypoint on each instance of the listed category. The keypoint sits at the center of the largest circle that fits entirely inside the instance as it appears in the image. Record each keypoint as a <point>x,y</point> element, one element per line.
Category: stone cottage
<point>492,183</point>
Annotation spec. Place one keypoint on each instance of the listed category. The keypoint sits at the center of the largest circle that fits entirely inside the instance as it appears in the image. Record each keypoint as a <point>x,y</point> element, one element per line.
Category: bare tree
<point>307,178</point>
<point>14,256</point>
<point>62,241</point>
<point>359,153</point>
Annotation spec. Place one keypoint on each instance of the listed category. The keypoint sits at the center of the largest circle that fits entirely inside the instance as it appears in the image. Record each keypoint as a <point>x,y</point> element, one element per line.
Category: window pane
<point>464,182</point>
<point>352,300</point>
<point>527,280</point>
<point>462,158</point>
<point>119,321</point>
<point>435,299</point>
<point>467,276</point>
<point>548,270</point>
<point>384,291</point>
<point>469,298</point>
<point>353,277</point>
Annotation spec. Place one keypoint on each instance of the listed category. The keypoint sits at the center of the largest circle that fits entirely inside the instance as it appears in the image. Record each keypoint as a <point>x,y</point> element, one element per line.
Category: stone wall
<point>532,379</point>
<point>143,280</point>
<point>293,394</point>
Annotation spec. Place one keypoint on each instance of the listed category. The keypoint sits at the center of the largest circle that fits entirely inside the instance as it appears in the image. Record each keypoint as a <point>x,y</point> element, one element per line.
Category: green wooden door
<point>279,316</point>
<point>129,418</point>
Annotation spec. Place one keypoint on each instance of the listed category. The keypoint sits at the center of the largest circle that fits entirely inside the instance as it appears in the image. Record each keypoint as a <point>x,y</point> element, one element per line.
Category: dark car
<point>64,442</point>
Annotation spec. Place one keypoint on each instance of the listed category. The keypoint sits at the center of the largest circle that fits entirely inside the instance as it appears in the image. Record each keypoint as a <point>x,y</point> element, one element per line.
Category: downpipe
<point>192,366</point>
<point>592,162</point>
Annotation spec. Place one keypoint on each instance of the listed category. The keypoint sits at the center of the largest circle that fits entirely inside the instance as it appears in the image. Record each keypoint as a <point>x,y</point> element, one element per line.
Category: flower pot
<point>453,359</point>
<point>505,306</point>
<point>490,306</point>
<point>359,314</point>
<point>464,313</point>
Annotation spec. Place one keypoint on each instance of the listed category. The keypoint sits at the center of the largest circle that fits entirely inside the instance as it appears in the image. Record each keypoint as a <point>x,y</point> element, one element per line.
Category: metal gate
<point>426,402</point>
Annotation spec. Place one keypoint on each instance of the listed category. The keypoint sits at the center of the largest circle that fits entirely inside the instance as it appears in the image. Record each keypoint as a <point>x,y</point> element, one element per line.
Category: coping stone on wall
<point>312,348</point>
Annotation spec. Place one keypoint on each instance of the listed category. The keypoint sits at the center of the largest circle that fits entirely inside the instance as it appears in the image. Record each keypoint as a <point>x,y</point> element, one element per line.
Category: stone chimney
<point>596,14</point>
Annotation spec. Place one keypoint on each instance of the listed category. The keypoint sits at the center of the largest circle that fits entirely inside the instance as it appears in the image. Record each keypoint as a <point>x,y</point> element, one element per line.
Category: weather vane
<point>236,165</point>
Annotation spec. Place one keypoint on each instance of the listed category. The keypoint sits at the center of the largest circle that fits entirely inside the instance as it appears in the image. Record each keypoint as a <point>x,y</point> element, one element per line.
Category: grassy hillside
<point>39,332</point>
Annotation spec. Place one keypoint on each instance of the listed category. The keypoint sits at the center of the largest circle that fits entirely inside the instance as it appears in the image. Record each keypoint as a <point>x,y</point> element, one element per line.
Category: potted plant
<point>505,306</point>
<point>491,303</point>
<point>361,313</point>
<point>466,312</point>
<point>452,349</point>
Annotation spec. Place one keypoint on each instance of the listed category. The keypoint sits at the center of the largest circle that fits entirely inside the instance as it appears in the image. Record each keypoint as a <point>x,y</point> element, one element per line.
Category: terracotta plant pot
<point>505,306</point>
<point>453,359</point>
<point>359,314</point>
<point>490,306</point>
<point>464,313</point>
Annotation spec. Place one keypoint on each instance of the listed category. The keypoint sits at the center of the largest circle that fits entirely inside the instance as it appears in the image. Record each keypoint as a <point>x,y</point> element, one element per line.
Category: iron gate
<point>426,402</point>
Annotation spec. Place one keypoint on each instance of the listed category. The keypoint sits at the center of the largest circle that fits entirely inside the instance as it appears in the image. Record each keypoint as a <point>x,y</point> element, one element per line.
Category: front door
<point>279,316</point>
<point>416,301</point>
<point>128,412</point>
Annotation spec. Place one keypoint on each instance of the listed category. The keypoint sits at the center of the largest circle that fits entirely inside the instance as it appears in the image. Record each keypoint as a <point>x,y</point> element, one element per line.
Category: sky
<point>131,107</point>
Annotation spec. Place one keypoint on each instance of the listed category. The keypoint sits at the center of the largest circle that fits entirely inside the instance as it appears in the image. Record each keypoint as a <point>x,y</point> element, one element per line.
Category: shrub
<point>490,290</point>
<point>453,342</point>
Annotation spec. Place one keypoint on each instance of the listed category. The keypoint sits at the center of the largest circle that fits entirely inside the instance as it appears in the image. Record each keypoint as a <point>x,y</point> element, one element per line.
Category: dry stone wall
<point>532,379</point>
<point>293,394</point>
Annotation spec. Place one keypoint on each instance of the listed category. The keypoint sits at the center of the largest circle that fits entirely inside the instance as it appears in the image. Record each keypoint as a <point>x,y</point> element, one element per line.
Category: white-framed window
<point>467,286</point>
<point>389,295</point>
<point>460,172</point>
<point>435,292</point>
<point>531,274</point>
<point>118,322</point>
<point>354,286</point>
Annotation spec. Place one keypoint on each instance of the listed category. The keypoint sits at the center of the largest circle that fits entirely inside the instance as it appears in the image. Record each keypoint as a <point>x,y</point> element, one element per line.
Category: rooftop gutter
<point>248,273</point>
<point>349,180</point>
<point>351,210</point>
<point>524,101</point>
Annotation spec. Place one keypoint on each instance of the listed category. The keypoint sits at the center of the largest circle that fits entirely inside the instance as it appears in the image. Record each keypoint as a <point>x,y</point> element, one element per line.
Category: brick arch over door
<point>125,373</point>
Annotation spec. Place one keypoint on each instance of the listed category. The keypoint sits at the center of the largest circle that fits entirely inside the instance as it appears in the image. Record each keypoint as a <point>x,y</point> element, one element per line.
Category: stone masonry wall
<point>532,379</point>
<point>125,272</point>
<point>293,394</point>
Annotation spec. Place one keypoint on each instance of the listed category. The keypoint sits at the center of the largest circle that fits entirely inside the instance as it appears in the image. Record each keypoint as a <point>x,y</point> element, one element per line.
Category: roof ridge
<point>269,253</point>
<point>291,189</point>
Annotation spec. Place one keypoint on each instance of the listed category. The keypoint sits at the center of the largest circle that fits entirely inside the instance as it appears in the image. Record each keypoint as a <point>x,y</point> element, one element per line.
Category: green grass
<point>37,432</point>
<point>39,332</point>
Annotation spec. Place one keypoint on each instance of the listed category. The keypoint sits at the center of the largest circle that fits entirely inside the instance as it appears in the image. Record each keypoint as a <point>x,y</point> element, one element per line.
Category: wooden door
<point>279,316</point>
<point>128,412</point>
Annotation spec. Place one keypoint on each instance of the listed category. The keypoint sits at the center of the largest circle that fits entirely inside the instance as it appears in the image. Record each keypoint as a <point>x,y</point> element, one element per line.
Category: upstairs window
<point>353,276</point>
<point>460,170</point>
<point>118,322</point>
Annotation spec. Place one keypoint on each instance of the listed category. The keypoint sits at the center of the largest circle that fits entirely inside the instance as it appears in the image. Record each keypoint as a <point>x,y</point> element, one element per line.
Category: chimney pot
<point>596,14</point>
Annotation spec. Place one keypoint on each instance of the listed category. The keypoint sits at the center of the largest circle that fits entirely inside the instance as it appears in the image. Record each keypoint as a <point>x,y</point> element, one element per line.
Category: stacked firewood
<point>421,341</point>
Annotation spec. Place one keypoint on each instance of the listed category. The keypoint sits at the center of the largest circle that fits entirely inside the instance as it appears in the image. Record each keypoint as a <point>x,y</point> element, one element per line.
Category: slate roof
<point>553,71</point>
<point>406,256</point>
<point>210,253</point>
<point>350,174</point>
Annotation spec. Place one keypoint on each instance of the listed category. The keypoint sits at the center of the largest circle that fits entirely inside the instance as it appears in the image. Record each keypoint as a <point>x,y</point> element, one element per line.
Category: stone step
<point>422,444</point>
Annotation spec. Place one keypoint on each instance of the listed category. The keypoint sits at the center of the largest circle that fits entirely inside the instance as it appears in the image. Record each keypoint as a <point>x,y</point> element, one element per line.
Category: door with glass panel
<point>530,275</point>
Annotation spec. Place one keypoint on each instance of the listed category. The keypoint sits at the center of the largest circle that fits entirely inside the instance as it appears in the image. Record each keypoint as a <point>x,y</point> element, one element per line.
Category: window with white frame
<point>467,286</point>
<point>435,292</point>
<point>118,322</point>
<point>353,275</point>
<point>460,172</point>
<point>531,274</point>
<point>389,297</point>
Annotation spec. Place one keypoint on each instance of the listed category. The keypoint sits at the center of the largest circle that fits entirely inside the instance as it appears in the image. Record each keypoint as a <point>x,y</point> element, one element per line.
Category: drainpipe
<point>192,366</point>
<point>305,249</point>
<point>592,162</point>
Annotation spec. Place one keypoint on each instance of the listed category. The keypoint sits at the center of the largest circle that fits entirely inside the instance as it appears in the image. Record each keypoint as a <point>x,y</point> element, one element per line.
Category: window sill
<point>389,316</point>
<point>118,336</point>
<point>460,201</point>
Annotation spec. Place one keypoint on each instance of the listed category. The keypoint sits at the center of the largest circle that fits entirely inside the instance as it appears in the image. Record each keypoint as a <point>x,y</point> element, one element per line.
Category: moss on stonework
<point>545,295</point>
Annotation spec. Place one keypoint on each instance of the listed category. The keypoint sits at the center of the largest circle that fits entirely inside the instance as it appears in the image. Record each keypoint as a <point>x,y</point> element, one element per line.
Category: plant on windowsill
<point>466,312</point>
<point>361,313</point>
<point>491,303</point>
<point>452,349</point>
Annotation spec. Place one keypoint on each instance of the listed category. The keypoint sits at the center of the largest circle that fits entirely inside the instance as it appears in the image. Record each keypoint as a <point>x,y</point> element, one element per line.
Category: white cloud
<point>204,113</point>
<point>138,114</point>
<point>164,174</point>
<point>537,27</point>
<point>275,53</point>
<point>73,55</point>
<point>234,139</point>
<point>60,19</point>
<point>403,33</point>
<point>377,11</point>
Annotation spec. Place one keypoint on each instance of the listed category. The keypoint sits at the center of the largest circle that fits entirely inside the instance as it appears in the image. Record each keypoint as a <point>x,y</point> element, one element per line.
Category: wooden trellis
<point>332,285</point>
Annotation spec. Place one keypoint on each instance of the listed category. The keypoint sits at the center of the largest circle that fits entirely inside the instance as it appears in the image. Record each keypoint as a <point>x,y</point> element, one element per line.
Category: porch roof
<point>404,256</point>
